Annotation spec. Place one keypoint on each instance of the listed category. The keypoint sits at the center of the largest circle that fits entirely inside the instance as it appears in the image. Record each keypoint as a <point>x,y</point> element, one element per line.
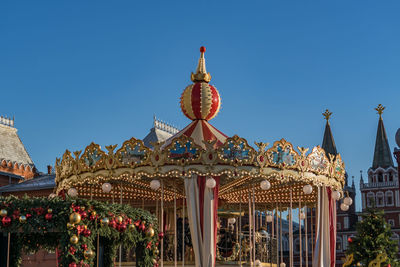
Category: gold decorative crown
<point>201,74</point>
<point>327,114</point>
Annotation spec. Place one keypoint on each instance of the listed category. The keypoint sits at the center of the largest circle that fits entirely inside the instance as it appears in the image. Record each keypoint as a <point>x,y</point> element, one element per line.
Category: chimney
<point>49,169</point>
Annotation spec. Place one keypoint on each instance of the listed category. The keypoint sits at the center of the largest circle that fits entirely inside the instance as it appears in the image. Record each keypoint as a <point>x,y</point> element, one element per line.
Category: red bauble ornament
<point>161,235</point>
<point>83,214</point>
<point>202,49</point>
<point>28,215</point>
<point>113,224</point>
<point>142,227</point>
<point>84,247</point>
<point>6,221</point>
<point>72,265</point>
<point>122,227</point>
<point>389,265</point>
<point>87,233</point>
<point>48,216</point>
<point>349,240</point>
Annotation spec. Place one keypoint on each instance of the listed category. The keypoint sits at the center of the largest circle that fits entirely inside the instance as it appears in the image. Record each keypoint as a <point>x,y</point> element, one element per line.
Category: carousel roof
<point>201,149</point>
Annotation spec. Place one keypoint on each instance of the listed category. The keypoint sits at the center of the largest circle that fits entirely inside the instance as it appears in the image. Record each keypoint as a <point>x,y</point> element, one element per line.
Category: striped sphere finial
<point>200,101</point>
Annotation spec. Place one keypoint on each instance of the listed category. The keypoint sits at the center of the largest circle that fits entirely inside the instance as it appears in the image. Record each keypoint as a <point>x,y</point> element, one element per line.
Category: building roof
<point>382,155</point>
<point>160,132</point>
<point>11,147</point>
<point>328,143</point>
<point>39,183</point>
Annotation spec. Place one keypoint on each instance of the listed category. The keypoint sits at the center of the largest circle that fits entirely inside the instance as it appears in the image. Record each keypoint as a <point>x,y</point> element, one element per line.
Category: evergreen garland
<point>373,238</point>
<point>41,223</point>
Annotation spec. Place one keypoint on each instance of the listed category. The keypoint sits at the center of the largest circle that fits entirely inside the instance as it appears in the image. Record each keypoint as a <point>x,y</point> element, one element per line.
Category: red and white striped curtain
<point>325,240</point>
<point>202,206</point>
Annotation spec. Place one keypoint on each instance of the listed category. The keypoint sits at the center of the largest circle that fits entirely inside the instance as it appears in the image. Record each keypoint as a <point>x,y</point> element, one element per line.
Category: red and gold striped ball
<point>200,101</point>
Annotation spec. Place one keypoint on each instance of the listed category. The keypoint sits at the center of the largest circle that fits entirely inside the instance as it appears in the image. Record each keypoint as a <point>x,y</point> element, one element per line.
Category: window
<point>389,198</point>
<point>390,177</point>
<point>346,223</point>
<point>380,177</point>
<point>391,222</point>
<point>339,244</point>
<point>297,245</point>
<point>379,199</point>
<point>370,199</point>
<point>338,226</point>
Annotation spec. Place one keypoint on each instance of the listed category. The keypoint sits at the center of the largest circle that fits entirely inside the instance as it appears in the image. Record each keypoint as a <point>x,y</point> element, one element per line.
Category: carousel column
<point>162,223</point>
<point>183,232</point>
<point>175,234</point>
<point>240,229</point>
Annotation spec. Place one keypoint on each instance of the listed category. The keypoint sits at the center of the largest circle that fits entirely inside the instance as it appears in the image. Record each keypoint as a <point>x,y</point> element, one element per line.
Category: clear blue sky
<point>73,72</point>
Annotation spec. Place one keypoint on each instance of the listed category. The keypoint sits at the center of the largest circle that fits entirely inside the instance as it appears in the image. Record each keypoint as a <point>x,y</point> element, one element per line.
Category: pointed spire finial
<point>201,74</point>
<point>380,110</point>
<point>327,114</point>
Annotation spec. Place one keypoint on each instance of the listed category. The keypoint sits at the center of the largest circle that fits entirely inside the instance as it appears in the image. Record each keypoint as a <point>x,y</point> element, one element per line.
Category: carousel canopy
<point>201,149</point>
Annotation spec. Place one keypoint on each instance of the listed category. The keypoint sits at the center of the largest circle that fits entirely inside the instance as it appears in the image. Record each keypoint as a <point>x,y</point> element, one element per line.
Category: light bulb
<point>307,189</point>
<point>257,263</point>
<point>336,195</point>
<point>265,185</point>
<point>155,185</point>
<point>348,201</point>
<point>211,183</point>
<point>231,220</point>
<point>344,207</point>
<point>72,192</point>
<point>269,218</point>
<point>106,187</point>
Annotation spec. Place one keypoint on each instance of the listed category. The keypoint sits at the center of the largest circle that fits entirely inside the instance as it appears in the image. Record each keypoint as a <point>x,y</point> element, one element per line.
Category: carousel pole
<point>240,229</point>
<point>306,230</point>
<point>301,251</point>
<point>312,235</point>
<point>8,248</point>
<point>272,234</point>
<point>277,236</point>
<point>162,223</point>
<point>291,230</point>
<point>280,215</point>
<point>250,224</point>
<point>183,232</point>
<point>120,246</point>
<point>176,234</point>
<point>254,229</point>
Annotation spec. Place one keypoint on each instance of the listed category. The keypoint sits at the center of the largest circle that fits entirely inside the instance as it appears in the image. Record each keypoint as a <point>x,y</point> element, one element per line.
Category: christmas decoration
<point>373,237</point>
<point>32,229</point>
<point>22,219</point>
<point>6,221</point>
<point>75,218</point>
<point>74,239</point>
<point>3,213</point>
<point>150,232</point>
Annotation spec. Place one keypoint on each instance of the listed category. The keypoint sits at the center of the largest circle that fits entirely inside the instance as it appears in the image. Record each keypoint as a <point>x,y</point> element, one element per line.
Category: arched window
<point>390,177</point>
<point>339,244</point>
<point>370,199</point>
<point>389,198</point>
<point>285,243</point>
<point>380,177</point>
<point>380,199</point>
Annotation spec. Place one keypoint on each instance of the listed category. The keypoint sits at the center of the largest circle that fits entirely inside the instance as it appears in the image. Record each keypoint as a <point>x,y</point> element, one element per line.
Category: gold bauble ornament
<point>119,219</point>
<point>49,211</point>
<point>150,232</point>
<point>3,213</point>
<point>75,218</point>
<point>131,227</point>
<point>94,213</point>
<point>70,226</point>
<point>74,239</point>
<point>104,221</point>
<point>22,219</point>
<point>154,261</point>
<point>156,252</point>
<point>88,254</point>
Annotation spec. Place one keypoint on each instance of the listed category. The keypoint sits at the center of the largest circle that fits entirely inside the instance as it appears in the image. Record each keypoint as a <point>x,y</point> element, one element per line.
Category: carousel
<point>218,200</point>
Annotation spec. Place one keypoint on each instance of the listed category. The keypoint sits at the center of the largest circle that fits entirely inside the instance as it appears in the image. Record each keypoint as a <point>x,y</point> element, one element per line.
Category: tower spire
<point>201,74</point>
<point>328,143</point>
<point>382,155</point>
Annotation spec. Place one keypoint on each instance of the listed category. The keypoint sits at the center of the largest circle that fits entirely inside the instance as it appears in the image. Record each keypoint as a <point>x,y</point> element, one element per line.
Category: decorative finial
<point>201,74</point>
<point>327,114</point>
<point>380,110</point>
